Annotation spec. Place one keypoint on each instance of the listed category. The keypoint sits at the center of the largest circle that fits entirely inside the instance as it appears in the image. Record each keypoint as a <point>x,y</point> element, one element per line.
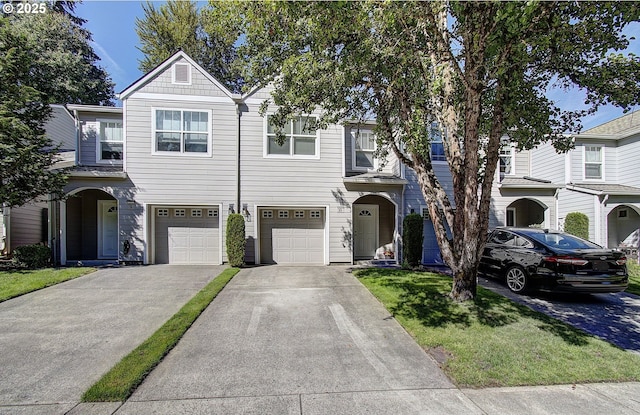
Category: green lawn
<point>494,341</point>
<point>634,278</point>
<point>15,283</point>
<point>123,379</point>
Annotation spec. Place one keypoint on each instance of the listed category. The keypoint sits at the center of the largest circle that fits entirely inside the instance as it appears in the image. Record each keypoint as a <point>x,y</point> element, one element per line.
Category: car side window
<point>503,238</point>
<point>523,243</point>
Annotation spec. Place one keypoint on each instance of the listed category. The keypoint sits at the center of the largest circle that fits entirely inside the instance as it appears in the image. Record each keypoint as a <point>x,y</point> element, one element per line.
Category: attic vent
<point>182,73</point>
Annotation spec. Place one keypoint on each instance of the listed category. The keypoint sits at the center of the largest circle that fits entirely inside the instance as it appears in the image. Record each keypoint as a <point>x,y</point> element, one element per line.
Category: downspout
<point>238,179</point>
<point>77,122</point>
<point>557,206</point>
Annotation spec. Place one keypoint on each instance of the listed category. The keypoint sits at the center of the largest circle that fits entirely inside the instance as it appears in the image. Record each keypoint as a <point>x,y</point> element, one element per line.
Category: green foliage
<point>123,379</point>
<point>412,239</point>
<point>64,66</point>
<point>32,256</point>
<point>236,241</point>
<point>181,25</point>
<point>577,223</point>
<point>18,282</point>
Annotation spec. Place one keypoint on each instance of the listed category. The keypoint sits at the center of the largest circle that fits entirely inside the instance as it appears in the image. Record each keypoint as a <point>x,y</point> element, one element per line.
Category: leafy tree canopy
<point>26,154</point>
<point>181,25</point>
<point>478,71</point>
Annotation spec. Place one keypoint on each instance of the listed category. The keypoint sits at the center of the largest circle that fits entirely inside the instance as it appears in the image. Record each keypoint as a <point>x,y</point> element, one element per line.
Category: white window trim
<point>173,73</point>
<point>354,167</point>
<point>506,216</point>
<point>511,155</point>
<point>265,143</point>
<point>99,159</point>
<point>584,162</point>
<point>154,152</point>
<point>441,141</point>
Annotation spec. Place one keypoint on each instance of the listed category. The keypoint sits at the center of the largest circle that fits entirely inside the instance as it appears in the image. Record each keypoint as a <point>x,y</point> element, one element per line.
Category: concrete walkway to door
<point>285,340</point>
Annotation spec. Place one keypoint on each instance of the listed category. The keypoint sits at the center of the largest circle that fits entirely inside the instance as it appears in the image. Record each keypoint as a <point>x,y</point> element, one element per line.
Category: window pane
<point>365,141</point>
<point>111,151</point>
<point>272,130</point>
<point>195,121</point>
<point>168,141</point>
<point>364,159</point>
<point>437,151</point>
<point>593,154</point>
<point>304,146</point>
<point>593,171</point>
<point>111,131</point>
<point>195,143</point>
<point>505,165</point>
<point>168,120</point>
<point>304,126</point>
<point>274,148</point>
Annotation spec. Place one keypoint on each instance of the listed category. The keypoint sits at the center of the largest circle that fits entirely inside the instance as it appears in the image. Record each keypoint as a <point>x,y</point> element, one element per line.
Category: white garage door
<point>187,235</point>
<point>292,236</point>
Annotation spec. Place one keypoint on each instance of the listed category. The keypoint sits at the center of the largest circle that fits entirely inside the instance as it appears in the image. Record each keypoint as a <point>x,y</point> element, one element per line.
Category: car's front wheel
<point>517,279</point>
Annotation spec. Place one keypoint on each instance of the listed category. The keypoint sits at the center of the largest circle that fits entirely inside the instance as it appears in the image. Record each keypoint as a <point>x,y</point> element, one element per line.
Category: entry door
<point>365,230</point>
<point>107,229</point>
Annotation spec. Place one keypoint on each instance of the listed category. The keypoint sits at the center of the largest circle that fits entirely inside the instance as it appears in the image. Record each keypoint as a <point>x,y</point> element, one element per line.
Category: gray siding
<point>522,167</point>
<point>628,158</point>
<point>26,225</point>
<point>547,164</point>
<point>200,84</point>
<point>61,128</point>
<point>572,201</point>
<point>388,164</point>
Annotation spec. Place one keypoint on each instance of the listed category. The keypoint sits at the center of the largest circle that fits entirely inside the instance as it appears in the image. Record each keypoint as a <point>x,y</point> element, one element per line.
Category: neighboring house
<point>28,224</point>
<point>600,179</point>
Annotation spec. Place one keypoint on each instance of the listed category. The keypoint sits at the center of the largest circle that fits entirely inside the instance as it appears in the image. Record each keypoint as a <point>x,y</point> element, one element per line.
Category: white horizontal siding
<point>547,164</point>
<point>628,159</point>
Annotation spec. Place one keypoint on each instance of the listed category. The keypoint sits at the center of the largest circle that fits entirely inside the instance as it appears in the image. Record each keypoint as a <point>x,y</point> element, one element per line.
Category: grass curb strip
<point>14,283</point>
<point>123,379</point>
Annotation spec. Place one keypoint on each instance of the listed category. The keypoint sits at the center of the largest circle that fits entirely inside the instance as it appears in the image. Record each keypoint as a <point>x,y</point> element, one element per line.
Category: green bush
<point>577,223</point>
<point>412,237</point>
<point>32,256</point>
<point>236,241</point>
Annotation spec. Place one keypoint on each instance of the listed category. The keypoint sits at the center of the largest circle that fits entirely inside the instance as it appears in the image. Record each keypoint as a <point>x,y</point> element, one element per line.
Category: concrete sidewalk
<point>56,342</point>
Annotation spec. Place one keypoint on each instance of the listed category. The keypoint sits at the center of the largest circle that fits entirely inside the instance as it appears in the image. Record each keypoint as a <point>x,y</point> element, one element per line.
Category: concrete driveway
<point>55,343</point>
<point>309,340</point>
<point>612,317</point>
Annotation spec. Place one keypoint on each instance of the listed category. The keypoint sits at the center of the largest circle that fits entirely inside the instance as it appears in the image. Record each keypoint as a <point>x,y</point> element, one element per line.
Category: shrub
<point>412,237</point>
<point>32,256</point>
<point>577,223</point>
<point>236,241</point>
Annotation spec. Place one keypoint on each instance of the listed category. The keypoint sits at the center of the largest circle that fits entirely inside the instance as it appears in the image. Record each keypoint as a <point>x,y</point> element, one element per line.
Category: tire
<point>517,279</point>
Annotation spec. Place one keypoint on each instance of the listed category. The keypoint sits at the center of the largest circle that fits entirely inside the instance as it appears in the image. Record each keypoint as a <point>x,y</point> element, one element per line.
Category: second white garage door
<point>292,236</point>
<point>187,236</point>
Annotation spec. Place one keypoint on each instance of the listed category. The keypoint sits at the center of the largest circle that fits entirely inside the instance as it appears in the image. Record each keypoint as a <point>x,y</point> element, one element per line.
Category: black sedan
<point>530,258</point>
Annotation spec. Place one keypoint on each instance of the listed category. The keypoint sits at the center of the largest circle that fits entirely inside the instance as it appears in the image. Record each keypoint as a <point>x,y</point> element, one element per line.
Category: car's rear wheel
<point>517,279</point>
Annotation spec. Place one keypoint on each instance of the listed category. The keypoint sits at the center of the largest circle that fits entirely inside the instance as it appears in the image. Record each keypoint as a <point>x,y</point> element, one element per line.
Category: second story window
<point>111,140</point>
<point>593,162</point>
<point>364,143</point>
<point>301,139</point>
<point>507,160</point>
<point>437,147</point>
<point>182,132</point>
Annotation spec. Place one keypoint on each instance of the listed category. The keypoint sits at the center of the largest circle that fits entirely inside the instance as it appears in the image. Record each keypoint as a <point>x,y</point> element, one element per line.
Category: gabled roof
<point>605,189</point>
<point>166,64</point>
<point>619,128</point>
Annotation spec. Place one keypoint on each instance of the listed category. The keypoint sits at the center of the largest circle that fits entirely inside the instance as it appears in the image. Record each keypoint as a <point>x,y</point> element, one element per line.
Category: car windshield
<point>562,241</point>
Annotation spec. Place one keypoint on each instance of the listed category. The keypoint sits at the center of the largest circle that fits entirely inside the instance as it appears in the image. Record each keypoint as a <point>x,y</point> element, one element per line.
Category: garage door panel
<point>187,239</point>
<point>292,240</point>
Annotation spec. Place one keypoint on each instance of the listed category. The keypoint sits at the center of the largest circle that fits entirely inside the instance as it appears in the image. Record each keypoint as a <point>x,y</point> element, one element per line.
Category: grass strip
<point>634,278</point>
<point>18,282</point>
<point>123,379</point>
<point>493,341</point>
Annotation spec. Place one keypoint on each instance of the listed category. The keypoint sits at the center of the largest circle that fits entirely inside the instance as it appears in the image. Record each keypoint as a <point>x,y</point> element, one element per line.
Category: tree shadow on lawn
<point>425,297</point>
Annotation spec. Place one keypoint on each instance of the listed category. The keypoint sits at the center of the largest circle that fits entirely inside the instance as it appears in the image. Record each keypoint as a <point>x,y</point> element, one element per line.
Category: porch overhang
<point>527,182</point>
<point>605,189</point>
<point>99,172</point>
<point>376,178</point>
